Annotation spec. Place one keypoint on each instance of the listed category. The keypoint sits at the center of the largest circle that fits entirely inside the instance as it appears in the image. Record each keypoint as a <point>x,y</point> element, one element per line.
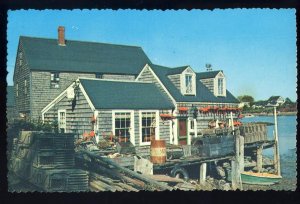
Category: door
<point>182,131</point>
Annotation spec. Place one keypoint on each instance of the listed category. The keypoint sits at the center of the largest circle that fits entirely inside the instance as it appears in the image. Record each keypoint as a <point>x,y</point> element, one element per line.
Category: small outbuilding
<point>125,110</point>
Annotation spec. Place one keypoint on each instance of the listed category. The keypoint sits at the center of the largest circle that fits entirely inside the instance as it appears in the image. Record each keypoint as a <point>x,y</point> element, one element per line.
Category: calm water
<point>286,131</point>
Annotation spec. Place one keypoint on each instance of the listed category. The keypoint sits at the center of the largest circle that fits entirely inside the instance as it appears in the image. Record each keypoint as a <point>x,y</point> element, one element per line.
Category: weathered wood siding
<point>147,76</point>
<point>42,94</point>
<point>21,74</point>
<point>175,79</point>
<point>209,83</point>
<point>77,121</point>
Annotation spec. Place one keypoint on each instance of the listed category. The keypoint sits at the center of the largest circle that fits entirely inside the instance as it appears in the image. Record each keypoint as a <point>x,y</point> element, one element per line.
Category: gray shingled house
<point>11,112</point>
<point>129,110</point>
<point>199,98</point>
<point>46,67</point>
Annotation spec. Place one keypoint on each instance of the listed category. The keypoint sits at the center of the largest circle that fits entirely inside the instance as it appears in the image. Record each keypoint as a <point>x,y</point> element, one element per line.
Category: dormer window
<point>188,82</point>
<point>220,86</point>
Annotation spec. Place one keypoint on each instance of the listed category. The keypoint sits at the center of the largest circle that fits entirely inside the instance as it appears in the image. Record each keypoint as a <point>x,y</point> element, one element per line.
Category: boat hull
<point>258,178</point>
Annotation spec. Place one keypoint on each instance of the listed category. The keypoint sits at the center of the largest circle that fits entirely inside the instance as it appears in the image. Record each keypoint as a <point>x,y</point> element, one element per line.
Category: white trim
<point>58,98</point>
<point>183,82</point>
<point>87,97</point>
<point>171,132</point>
<point>65,121</point>
<point>132,128</point>
<point>96,126</point>
<point>157,132</point>
<point>160,83</point>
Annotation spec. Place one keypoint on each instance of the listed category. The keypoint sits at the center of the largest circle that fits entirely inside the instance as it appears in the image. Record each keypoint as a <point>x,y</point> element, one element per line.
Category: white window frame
<point>220,86</point>
<point>190,130</point>
<point>183,87</point>
<point>216,85</point>
<point>132,128</point>
<point>54,80</point>
<point>59,120</point>
<point>25,87</point>
<point>157,118</point>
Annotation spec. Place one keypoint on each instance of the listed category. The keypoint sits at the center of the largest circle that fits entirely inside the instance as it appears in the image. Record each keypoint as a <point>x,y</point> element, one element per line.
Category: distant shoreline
<point>271,114</point>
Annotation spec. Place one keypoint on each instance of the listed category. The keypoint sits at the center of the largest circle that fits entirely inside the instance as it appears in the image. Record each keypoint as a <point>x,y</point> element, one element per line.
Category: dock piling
<point>203,168</point>
<point>259,158</point>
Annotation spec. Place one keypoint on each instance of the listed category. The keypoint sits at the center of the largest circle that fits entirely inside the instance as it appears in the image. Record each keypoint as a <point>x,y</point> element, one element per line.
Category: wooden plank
<point>165,178</point>
<point>128,172</point>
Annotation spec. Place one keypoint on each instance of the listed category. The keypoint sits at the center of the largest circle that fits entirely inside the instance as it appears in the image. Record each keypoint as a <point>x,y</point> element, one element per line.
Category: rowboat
<point>258,178</point>
<point>249,115</point>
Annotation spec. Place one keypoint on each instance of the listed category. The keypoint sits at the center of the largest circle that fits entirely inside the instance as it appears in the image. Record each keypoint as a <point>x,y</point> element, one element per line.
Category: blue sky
<point>256,48</point>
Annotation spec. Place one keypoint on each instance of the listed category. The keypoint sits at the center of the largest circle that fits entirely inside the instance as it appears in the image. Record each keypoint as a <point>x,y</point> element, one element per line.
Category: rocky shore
<point>279,114</point>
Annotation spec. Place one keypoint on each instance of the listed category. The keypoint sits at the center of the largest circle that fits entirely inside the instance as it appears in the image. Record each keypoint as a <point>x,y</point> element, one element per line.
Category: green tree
<point>246,98</point>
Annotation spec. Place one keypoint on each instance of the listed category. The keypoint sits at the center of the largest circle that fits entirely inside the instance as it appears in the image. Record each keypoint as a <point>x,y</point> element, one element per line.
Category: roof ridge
<point>82,41</point>
<point>114,80</point>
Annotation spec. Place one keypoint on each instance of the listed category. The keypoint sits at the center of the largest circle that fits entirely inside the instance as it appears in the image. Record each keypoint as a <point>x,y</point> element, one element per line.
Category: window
<point>220,86</point>
<point>54,80</point>
<point>98,76</point>
<point>188,84</point>
<point>25,87</point>
<point>20,58</point>
<point>148,125</point>
<point>192,126</point>
<point>17,90</point>
<point>62,121</point>
<point>122,126</point>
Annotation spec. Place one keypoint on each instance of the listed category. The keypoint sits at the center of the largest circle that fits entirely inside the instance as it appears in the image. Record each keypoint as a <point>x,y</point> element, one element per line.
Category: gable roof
<point>202,92</point>
<point>177,70</point>
<point>207,75</point>
<point>78,56</point>
<point>10,96</point>
<point>274,98</point>
<point>106,94</point>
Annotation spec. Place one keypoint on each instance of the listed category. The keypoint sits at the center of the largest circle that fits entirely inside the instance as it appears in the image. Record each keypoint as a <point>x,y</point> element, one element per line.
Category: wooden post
<point>241,144</point>
<point>203,173</point>
<point>276,148</point>
<point>236,180</point>
<point>259,158</point>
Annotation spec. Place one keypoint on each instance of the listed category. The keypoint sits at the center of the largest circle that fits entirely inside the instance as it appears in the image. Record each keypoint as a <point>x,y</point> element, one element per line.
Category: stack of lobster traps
<point>47,161</point>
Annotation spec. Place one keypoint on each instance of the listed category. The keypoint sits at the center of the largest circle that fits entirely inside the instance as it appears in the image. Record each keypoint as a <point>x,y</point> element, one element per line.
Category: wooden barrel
<point>158,152</point>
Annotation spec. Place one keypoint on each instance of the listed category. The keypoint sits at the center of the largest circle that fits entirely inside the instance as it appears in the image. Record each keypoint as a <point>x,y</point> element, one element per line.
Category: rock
<point>221,171</point>
<point>226,165</point>
<point>272,171</point>
<point>226,187</point>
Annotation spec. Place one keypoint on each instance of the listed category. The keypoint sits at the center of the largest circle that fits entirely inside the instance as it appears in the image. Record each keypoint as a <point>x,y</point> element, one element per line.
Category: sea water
<point>287,131</point>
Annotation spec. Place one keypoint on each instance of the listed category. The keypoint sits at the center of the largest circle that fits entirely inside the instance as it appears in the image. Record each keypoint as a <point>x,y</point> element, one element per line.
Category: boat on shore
<point>254,178</point>
<point>248,115</point>
<point>260,178</point>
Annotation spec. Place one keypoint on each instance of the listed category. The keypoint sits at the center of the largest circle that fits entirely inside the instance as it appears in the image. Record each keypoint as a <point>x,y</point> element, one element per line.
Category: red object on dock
<point>183,109</point>
<point>166,116</point>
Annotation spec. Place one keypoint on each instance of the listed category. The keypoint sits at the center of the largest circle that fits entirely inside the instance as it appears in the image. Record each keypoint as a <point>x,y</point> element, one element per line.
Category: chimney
<point>61,36</point>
